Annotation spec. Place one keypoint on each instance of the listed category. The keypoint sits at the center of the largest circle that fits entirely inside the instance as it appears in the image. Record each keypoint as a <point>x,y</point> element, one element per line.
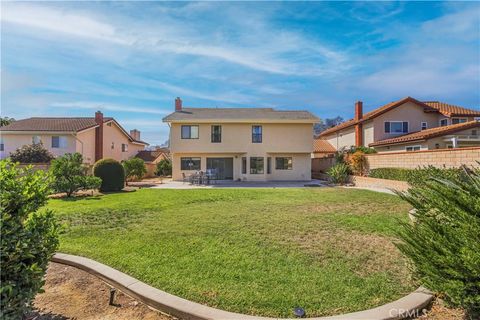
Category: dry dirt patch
<point>74,294</point>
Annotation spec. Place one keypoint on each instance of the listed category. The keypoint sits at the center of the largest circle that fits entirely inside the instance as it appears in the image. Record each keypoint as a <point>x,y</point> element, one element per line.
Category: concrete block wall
<point>449,158</point>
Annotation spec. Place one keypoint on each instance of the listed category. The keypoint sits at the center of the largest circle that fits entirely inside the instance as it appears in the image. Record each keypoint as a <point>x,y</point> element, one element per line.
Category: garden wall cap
<point>402,308</point>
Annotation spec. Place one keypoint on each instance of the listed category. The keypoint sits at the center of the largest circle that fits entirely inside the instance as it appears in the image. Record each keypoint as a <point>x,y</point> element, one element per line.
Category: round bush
<point>112,174</point>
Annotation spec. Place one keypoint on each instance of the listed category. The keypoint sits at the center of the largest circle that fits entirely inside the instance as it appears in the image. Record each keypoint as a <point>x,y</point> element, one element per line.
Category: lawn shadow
<point>38,315</point>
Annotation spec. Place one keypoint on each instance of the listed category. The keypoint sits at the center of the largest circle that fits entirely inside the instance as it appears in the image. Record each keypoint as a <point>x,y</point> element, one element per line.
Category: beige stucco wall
<point>86,145</point>
<point>343,138</point>
<point>113,137</point>
<point>301,166</point>
<point>14,141</point>
<point>295,140</point>
<point>237,137</point>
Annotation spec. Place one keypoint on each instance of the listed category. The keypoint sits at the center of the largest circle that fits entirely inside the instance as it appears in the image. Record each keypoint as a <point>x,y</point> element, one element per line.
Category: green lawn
<point>255,251</point>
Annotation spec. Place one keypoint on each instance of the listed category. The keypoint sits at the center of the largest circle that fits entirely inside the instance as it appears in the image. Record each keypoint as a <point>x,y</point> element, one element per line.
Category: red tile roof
<point>430,106</point>
<point>152,155</point>
<point>427,134</point>
<point>53,124</point>
<point>450,110</point>
<point>322,146</point>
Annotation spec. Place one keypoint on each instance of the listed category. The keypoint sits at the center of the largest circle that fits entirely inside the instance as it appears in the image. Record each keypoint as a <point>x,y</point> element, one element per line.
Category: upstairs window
<point>256,165</point>
<point>189,132</point>
<point>216,134</point>
<point>283,163</point>
<point>424,125</point>
<point>36,140</point>
<point>458,120</point>
<point>396,127</point>
<point>257,134</point>
<point>443,122</point>
<point>59,142</point>
<point>124,147</point>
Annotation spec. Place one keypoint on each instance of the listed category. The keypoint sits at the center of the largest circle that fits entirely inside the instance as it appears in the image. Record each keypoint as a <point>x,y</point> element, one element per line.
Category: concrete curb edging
<point>408,306</point>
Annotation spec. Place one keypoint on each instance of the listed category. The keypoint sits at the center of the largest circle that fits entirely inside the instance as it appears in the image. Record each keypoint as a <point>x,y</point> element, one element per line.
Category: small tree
<point>164,168</point>
<point>32,153</point>
<point>29,238</point>
<point>5,121</point>
<point>70,175</point>
<point>444,242</point>
<point>134,169</point>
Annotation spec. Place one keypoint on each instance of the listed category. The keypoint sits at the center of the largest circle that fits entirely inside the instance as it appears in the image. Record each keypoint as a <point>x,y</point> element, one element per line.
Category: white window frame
<point>397,121</point>
<point>62,142</point>
<point>413,148</point>
<point>422,125</point>
<point>440,122</point>
<point>460,120</point>
<point>34,139</point>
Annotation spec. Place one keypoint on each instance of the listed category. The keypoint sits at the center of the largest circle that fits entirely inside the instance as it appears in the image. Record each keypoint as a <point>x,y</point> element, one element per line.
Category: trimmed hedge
<point>415,176</point>
<point>399,174</point>
<point>112,174</point>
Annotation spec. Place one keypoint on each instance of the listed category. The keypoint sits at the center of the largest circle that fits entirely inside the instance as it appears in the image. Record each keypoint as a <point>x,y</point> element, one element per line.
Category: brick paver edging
<point>408,306</point>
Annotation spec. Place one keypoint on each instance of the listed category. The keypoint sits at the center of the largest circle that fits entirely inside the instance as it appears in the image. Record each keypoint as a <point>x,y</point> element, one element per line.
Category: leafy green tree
<point>29,237</point>
<point>32,153</point>
<point>444,241</point>
<point>134,169</point>
<point>5,121</point>
<point>164,168</point>
<point>70,174</point>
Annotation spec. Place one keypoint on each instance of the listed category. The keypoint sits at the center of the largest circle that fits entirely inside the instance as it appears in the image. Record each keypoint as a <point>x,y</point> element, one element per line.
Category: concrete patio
<point>170,184</point>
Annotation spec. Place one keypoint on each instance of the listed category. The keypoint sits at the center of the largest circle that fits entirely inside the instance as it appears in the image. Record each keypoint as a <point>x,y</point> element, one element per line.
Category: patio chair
<point>185,178</point>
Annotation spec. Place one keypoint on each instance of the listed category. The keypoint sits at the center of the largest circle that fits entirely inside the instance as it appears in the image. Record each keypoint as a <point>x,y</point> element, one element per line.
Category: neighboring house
<point>257,144</point>
<point>322,148</point>
<point>94,137</point>
<point>152,157</point>
<point>407,125</point>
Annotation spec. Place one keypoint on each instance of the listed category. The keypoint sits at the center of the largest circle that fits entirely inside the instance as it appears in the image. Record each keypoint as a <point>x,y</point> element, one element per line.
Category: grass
<point>255,251</point>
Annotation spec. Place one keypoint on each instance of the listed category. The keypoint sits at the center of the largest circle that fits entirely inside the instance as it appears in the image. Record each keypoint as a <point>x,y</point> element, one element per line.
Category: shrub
<point>400,174</point>
<point>32,153</point>
<point>363,149</point>
<point>134,169</point>
<point>70,175</point>
<point>112,174</point>
<point>358,163</point>
<point>415,176</point>
<point>28,240</point>
<point>164,168</point>
<point>339,173</point>
<point>444,242</point>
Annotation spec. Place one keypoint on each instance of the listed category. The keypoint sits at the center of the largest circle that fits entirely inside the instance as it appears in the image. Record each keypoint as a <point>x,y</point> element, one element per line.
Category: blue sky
<point>131,59</point>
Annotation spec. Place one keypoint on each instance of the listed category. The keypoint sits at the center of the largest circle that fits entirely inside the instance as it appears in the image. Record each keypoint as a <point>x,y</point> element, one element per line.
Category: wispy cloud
<point>181,40</point>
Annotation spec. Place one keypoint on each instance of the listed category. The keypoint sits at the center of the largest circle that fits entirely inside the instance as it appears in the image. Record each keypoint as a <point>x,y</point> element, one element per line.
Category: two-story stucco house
<point>404,125</point>
<point>94,137</point>
<point>252,144</point>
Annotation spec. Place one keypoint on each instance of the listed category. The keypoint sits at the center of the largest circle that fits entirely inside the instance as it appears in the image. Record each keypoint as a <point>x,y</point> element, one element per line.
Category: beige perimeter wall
<point>439,158</point>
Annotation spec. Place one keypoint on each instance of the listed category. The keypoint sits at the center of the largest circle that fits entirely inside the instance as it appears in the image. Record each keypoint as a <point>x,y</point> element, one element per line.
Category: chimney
<point>135,134</point>
<point>358,126</point>
<point>178,104</point>
<point>99,136</point>
<point>358,110</point>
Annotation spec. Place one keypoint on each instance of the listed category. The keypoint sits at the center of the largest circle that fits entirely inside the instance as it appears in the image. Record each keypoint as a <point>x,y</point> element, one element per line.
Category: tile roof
<point>322,146</point>
<point>427,134</point>
<point>429,106</point>
<point>241,114</point>
<point>452,110</point>
<point>53,124</point>
<point>41,124</point>
<point>152,155</point>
